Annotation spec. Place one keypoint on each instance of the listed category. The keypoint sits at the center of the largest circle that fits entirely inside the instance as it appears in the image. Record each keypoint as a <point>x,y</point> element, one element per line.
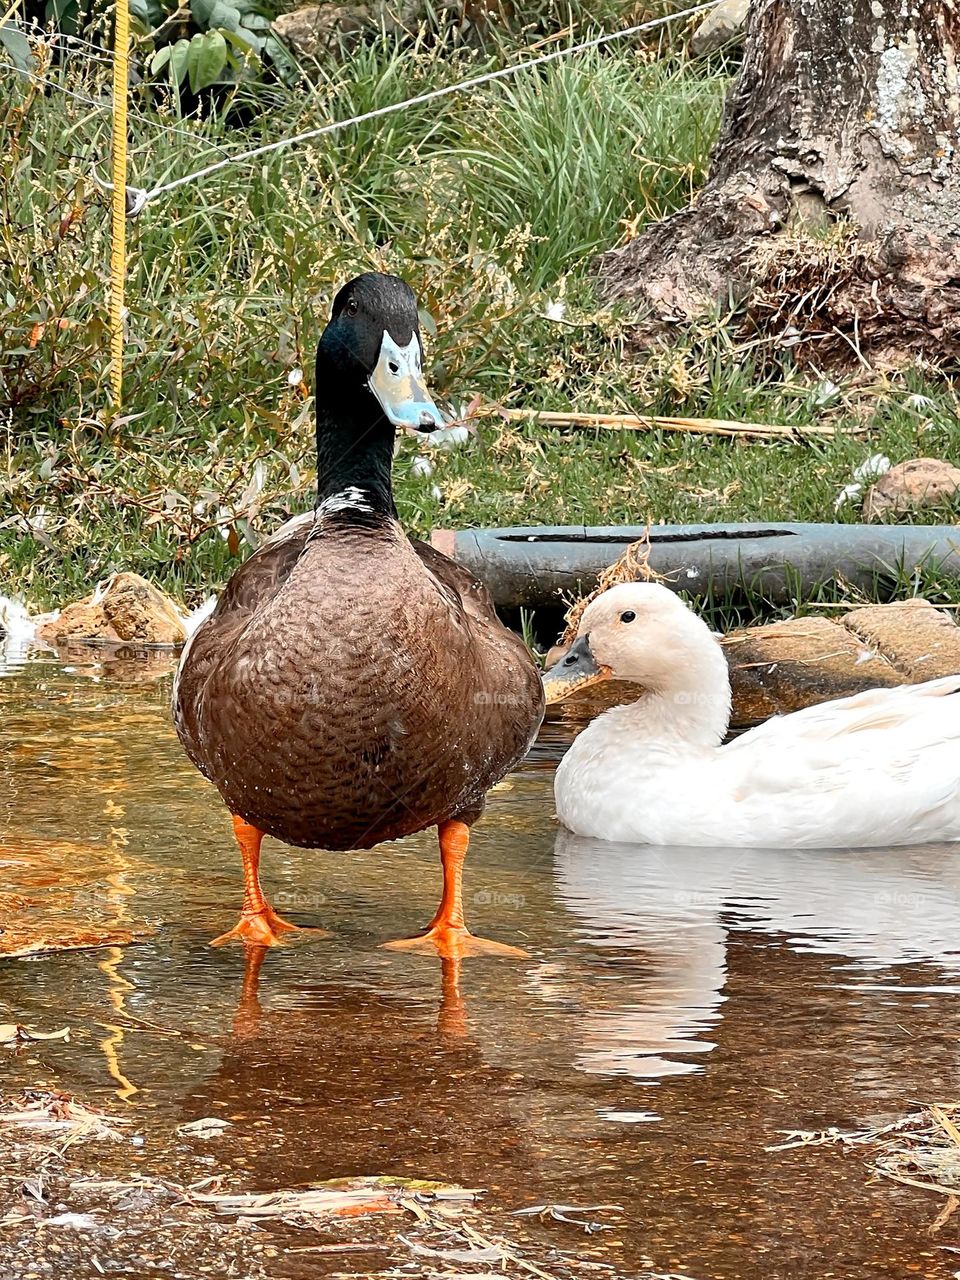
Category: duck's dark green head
<point>370,361</point>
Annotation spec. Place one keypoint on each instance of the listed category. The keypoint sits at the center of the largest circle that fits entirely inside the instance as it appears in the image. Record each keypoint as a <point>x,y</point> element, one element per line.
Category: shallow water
<point>679,1010</point>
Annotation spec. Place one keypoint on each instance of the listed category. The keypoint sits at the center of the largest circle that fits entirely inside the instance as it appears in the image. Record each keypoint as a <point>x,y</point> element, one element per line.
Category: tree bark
<point>846,114</point>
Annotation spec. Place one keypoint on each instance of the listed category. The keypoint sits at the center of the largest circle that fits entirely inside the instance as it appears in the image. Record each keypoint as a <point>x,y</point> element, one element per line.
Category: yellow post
<point>118,221</point>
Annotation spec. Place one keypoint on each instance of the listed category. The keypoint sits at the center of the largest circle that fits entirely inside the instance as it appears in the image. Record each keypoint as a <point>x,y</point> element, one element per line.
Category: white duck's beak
<point>577,669</point>
<point>397,382</point>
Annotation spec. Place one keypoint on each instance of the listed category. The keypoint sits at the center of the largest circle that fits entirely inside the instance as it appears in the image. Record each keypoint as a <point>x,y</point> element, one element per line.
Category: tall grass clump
<point>583,147</point>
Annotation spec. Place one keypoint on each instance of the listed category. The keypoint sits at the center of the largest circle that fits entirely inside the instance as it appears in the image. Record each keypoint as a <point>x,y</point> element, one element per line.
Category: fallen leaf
<point>208,1127</point>
<point>14,1033</point>
<point>78,1221</point>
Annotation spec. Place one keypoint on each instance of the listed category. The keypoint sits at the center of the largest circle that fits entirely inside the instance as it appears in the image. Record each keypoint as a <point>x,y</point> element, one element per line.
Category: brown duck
<point>353,686</point>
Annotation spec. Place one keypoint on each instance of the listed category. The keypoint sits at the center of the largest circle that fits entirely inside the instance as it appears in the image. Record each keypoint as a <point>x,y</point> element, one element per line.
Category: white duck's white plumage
<point>879,768</point>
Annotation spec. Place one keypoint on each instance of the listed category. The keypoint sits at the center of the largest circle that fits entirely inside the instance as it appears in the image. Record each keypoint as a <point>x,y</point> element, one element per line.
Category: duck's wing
<point>477,604</point>
<point>873,711</point>
<point>878,767</point>
<point>506,702</point>
<point>262,576</point>
<point>253,585</point>
<point>454,578</point>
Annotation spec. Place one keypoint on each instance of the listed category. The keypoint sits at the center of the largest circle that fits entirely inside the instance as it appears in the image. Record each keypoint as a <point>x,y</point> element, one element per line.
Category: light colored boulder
<point>917,639</point>
<point>919,482</point>
<point>316,29</point>
<point>125,609</point>
<point>720,26</point>
<point>310,31</point>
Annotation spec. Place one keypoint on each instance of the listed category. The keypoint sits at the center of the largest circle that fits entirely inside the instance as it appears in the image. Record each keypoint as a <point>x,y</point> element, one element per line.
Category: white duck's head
<point>644,633</point>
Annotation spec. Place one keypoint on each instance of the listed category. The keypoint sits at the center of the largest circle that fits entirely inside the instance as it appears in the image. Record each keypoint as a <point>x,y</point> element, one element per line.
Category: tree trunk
<point>833,200</point>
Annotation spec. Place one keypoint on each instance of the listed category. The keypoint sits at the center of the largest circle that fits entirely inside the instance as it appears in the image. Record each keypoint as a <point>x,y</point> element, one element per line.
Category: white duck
<point>880,768</point>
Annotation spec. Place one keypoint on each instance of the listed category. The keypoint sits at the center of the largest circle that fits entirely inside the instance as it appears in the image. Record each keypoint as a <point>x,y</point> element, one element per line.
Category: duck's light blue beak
<point>397,382</point>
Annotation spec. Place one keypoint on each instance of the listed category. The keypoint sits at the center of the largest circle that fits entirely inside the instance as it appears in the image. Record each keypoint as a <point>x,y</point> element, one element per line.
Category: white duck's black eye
<point>394,367</point>
<point>627,616</point>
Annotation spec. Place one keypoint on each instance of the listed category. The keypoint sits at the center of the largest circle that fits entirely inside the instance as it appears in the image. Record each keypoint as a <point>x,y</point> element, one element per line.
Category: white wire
<point>104,105</point>
<point>41,33</point>
<point>461,87</point>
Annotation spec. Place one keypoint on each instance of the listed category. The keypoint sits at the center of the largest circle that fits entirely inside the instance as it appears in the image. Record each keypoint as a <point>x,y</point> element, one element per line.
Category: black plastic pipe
<point>538,567</point>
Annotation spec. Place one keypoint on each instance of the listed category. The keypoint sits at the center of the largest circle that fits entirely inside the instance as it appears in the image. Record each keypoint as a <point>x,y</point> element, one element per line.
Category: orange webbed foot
<point>259,925</point>
<point>451,942</point>
<point>265,928</point>
<point>446,935</point>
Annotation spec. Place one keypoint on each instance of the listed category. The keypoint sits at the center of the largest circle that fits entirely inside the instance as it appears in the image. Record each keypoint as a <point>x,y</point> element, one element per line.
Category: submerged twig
<point>919,1150</point>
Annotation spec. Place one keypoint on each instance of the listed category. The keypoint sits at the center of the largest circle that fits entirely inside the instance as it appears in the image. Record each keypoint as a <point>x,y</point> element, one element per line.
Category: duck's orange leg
<point>447,935</point>
<point>259,924</point>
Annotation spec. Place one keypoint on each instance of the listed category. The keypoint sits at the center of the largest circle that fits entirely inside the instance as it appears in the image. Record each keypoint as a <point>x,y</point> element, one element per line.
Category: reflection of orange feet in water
<point>246,1020</point>
<point>447,935</point>
<point>259,925</point>
<point>452,1015</point>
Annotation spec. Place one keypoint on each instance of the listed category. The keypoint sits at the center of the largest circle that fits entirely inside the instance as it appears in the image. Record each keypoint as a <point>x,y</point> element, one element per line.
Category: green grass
<point>492,204</point>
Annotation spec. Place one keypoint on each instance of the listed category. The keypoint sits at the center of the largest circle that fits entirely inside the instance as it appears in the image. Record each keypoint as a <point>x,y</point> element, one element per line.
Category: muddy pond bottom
<point>680,1011</point>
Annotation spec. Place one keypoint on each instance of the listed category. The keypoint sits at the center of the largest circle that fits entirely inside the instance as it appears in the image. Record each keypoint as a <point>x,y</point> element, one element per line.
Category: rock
<point>317,29</point>
<point>793,664</point>
<point>920,641</point>
<point>124,609</point>
<point>920,482</point>
<point>138,611</point>
<point>82,620</point>
<point>720,26</point>
<point>310,32</point>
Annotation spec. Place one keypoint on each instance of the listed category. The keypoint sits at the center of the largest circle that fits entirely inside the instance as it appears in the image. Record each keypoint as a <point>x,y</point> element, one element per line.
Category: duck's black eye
<point>394,367</point>
<point>353,306</point>
<point>627,616</point>
<point>570,659</point>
